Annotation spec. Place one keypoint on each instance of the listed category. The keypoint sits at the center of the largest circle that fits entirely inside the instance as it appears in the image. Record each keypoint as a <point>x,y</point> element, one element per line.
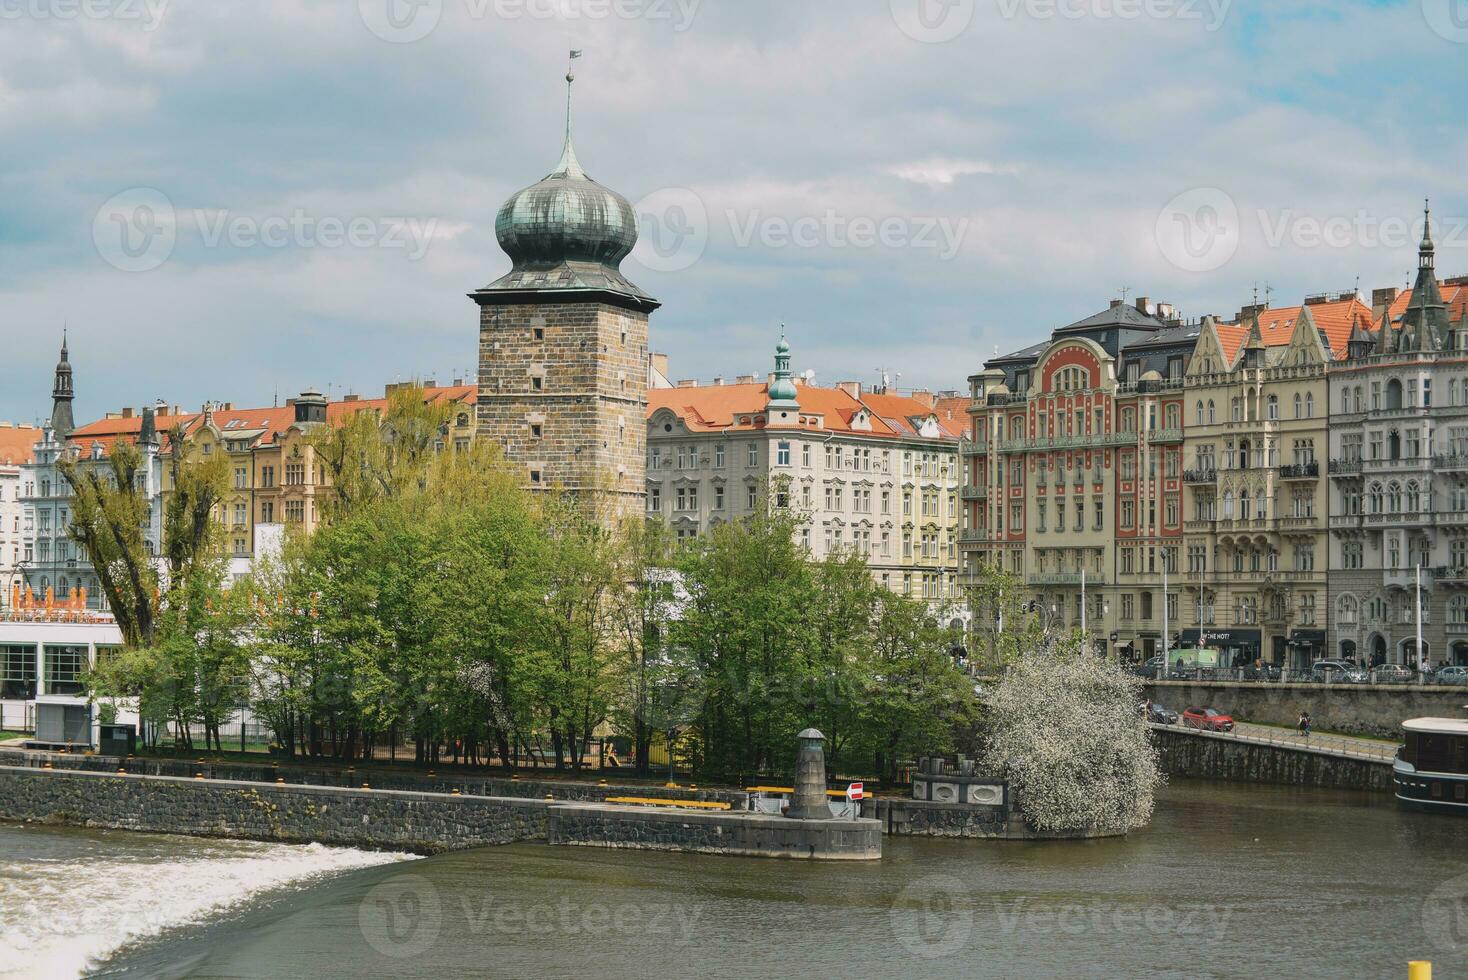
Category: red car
<point>1208,719</point>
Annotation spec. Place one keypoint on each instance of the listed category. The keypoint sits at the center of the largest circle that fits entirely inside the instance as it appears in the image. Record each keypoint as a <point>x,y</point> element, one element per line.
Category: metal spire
<point>569,166</point>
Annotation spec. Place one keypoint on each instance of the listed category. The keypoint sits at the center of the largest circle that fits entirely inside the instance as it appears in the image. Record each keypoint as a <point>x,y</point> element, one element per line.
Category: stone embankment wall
<point>381,819</point>
<point>381,777</point>
<point>1375,710</point>
<point>747,834</point>
<point>1208,756</point>
<point>920,818</point>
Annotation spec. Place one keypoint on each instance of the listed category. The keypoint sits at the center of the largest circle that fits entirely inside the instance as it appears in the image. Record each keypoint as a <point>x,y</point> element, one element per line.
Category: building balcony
<point>1055,443</point>
<point>1197,527</point>
<point>973,537</point>
<point>1157,436</point>
<point>969,448</point>
<point>1297,523</point>
<point>973,493</point>
<point>1200,476</point>
<point>1451,576</point>
<point>1066,578</point>
<point>1300,471</point>
<point>1345,522</point>
<point>1345,467</point>
<point>1406,578</point>
<point>1450,462</point>
<point>1400,520</point>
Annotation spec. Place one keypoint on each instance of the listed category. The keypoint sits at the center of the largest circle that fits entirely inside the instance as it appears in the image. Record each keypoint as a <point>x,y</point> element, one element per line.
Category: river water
<point>1229,881</point>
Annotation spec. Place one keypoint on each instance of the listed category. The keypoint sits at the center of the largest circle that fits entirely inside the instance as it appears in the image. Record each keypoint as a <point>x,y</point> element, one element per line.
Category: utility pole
<point>1421,664</point>
<point>1164,605</point>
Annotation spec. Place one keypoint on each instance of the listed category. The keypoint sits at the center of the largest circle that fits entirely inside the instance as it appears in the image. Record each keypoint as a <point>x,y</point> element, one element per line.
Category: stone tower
<point>563,355</point>
<point>62,394</point>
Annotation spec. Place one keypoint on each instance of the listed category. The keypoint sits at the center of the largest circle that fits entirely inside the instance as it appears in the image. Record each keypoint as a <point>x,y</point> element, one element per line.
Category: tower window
<point>535,477</point>
<point>535,431</point>
<point>540,333</point>
<point>536,384</point>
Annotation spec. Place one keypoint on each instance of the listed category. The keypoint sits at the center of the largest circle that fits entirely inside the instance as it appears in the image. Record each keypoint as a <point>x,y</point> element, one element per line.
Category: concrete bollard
<point>1419,970</point>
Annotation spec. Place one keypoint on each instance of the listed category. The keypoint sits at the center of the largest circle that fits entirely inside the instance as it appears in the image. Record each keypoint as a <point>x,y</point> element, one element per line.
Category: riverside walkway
<point>1344,746</point>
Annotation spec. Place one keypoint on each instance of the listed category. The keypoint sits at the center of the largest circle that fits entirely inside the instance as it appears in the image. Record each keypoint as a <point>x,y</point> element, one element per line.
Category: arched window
<point>1360,399</point>
<point>1199,413</point>
<point>1297,406</point>
<point>1414,498</point>
<point>1228,505</point>
<point>1458,611</point>
<point>1376,610</point>
<point>1211,413</point>
<point>1309,405</point>
<point>1273,407</point>
<point>1174,416</point>
<point>1235,410</point>
<point>1376,498</point>
<point>1345,400</point>
<point>1244,504</point>
<point>1394,394</point>
<point>1394,495</point>
<point>1453,391</point>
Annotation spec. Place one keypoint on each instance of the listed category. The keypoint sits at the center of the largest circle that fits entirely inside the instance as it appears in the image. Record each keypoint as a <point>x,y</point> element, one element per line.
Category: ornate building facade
<point>1073,473</point>
<point>1399,476</point>
<point>1256,498</point>
<point>563,342</point>
<point>874,472</point>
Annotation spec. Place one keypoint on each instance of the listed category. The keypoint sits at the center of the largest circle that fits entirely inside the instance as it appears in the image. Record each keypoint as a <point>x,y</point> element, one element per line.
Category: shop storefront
<point>1305,647</point>
<point>1237,646</point>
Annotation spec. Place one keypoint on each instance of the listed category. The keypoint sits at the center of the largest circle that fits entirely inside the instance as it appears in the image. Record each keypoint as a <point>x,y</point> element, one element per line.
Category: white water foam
<point>58,917</point>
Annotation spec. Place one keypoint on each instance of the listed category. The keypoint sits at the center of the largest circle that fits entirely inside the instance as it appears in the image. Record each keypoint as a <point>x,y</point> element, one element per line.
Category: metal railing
<point>1343,746</point>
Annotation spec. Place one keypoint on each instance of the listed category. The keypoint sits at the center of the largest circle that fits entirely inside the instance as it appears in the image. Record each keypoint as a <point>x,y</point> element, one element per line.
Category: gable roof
<point>735,408</point>
<point>1454,296</point>
<point>1337,320</point>
<point>17,443</point>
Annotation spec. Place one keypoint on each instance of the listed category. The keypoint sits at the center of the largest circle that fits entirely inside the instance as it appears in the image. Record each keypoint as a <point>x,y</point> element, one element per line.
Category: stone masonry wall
<point>591,360</point>
<point>444,781</point>
<point>751,835</point>
<point>1205,756</point>
<point>419,822</point>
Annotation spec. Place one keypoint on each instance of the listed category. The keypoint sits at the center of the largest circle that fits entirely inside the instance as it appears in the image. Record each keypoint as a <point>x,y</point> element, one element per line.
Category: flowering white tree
<point>1063,728</point>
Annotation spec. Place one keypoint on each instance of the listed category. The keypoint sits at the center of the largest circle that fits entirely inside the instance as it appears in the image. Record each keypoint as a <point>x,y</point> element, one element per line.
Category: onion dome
<point>782,391</point>
<point>567,232</point>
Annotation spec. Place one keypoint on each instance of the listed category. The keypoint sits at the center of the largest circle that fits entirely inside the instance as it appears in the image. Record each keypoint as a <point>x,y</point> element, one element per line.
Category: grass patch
<point>12,736</point>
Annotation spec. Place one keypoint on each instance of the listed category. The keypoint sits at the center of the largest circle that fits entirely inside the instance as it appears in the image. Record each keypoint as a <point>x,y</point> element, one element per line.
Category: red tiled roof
<point>1277,325</point>
<point>16,444</point>
<point>714,408</point>
<point>274,420</point>
<point>1456,297</point>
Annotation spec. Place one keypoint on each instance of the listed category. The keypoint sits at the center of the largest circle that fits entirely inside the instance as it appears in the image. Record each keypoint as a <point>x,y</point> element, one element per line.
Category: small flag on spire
<point>575,53</point>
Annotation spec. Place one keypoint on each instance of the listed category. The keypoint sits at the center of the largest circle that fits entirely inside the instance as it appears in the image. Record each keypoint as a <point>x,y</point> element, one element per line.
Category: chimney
<point>688,383</point>
<point>660,363</point>
<point>352,398</point>
<point>744,379</point>
<point>1382,298</point>
<point>228,407</point>
<point>1144,305</point>
<point>718,381</point>
<point>458,382</point>
<point>1117,302</point>
<point>852,388</point>
<point>1248,311</point>
<point>127,412</point>
<point>925,398</point>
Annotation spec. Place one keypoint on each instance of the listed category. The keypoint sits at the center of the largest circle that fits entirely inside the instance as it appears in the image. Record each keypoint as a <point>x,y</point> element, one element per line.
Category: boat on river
<point>1431,769</point>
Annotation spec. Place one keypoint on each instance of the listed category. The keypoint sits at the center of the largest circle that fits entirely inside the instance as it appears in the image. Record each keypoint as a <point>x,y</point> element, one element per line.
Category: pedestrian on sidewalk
<point>1305,723</point>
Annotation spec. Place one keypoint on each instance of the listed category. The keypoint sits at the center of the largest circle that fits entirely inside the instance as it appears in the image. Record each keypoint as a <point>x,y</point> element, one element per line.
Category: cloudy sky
<point>230,199</point>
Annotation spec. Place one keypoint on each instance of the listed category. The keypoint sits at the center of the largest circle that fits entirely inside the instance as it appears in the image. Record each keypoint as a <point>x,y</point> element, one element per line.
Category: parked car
<point>1392,674</point>
<point>1157,714</point>
<point>1152,669</point>
<point>1336,672</point>
<point>1208,719</point>
<point>1451,675</point>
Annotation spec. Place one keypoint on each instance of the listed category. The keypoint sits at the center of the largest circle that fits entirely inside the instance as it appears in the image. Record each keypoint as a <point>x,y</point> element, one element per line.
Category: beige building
<point>1257,497</point>
<point>875,472</point>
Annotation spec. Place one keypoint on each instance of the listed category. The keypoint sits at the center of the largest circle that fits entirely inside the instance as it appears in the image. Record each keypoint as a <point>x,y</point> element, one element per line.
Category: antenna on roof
<point>1268,292</point>
<point>1125,292</point>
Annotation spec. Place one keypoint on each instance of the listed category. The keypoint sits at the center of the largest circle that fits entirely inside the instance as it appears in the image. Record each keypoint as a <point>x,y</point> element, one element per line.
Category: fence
<point>1341,745</point>
<point>18,716</point>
